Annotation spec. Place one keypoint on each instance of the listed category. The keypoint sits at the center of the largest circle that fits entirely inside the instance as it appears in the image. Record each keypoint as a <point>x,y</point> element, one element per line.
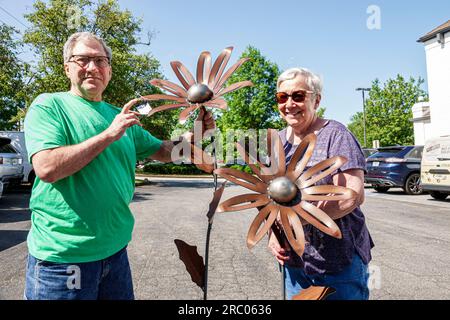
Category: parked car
<point>397,166</point>
<point>11,168</point>
<point>435,173</point>
<point>18,142</point>
<point>1,189</point>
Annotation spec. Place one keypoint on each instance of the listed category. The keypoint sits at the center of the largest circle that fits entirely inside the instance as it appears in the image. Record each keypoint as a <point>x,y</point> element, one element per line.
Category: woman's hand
<point>281,254</point>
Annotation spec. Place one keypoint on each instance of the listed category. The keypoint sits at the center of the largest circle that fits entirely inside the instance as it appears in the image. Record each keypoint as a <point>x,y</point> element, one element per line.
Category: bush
<point>241,168</point>
<point>183,169</point>
<point>170,168</point>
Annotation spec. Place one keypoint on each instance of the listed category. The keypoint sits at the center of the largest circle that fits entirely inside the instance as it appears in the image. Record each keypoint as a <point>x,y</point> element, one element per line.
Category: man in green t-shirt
<point>84,152</point>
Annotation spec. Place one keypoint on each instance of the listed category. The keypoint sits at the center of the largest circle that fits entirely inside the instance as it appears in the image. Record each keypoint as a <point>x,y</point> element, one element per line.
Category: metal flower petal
<point>205,89</point>
<point>290,192</point>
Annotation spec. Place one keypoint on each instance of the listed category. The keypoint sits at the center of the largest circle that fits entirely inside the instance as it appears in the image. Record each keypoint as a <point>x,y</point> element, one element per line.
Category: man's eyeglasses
<point>298,96</point>
<point>83,61</point>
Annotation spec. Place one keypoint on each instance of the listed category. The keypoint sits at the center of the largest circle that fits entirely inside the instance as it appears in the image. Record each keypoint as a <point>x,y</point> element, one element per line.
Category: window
<point>416,153</point>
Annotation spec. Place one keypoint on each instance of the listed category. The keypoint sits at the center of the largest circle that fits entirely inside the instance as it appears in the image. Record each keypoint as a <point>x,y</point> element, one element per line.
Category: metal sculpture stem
<point>283,281</point>
<point>210,223</point>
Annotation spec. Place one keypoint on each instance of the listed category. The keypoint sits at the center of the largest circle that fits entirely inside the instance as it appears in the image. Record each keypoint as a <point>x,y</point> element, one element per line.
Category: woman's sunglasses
<point>298,96</point>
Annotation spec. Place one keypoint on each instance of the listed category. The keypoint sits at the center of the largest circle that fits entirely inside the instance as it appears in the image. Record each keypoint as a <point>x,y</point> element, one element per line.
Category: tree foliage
<point>253,107</point>
<point>388,112</point>
<point>12,77</point>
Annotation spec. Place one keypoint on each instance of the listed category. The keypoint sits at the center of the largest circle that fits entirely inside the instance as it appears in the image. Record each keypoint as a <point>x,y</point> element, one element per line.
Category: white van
<point>18,142</point>
<point>435,172</point>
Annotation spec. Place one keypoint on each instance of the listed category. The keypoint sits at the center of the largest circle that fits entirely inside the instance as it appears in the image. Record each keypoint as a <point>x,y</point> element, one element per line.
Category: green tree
<point>12,78</point>
<point>321,112</point>
<point>252,107</point>
<point>388,112</point>
<point>52,23</point>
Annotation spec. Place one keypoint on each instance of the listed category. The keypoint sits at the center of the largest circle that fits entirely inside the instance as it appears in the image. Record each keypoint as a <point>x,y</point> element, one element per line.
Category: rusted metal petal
<point>192,261</point>
<point>252,163</point>
<point>320,171</point>
<point>215,202</point>
<point>265,217</point>
<point>219,65</point>
<point>314,293</point>
<point>305,151</point>
<point>183,74</point>
<point>243,179</point>
<point>293,229</point>
<point>227,74</point>
<point>170,87</point>
<point>234,87</point>
<point>155,97</point>
<point>203,67</point>
<point>186,113</point>
<point>318,218</point>
<point>166,107</point>
<point>243,202</point>
<point>328,193</point>
<point>277,156</point>
<point>219,103</point>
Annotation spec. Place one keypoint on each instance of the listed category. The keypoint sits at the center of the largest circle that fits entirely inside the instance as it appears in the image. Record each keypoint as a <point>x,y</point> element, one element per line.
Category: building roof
<point>443,28</point>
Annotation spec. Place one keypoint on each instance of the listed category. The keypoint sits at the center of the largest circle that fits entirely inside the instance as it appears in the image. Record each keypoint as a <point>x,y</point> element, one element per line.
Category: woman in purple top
<point>338,263</point>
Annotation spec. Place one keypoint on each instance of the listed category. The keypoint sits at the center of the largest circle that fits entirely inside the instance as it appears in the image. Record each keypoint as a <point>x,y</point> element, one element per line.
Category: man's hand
<point>124,120</point>
<point>207,119</point>
<point>204,122</point>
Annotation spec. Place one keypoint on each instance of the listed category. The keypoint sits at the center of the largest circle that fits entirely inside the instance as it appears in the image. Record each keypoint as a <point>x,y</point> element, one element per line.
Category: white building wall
<point>422,122</point>
<point>438,71</point>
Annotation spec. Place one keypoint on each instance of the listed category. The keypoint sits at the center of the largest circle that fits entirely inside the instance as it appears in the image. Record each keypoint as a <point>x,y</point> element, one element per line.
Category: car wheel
<point>412,184</point>
<point>381,189</point>
<point>438,195</point>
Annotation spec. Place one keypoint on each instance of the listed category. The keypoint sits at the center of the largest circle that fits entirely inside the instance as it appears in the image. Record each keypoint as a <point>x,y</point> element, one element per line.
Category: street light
<point>364,113</point>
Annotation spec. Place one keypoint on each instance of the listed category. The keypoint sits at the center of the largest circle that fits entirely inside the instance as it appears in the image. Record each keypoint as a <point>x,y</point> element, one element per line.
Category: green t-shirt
<point>84,217</point>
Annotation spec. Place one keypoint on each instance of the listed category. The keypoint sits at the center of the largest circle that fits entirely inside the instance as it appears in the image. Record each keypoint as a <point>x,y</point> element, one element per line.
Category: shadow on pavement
<point>11,238</point>
<point>182,184</point>
<point>14,205</point>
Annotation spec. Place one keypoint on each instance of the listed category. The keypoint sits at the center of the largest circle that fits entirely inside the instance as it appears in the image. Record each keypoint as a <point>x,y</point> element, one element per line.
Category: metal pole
<point>283,281</point>
<point>210,222</point>
<point>364,115</point>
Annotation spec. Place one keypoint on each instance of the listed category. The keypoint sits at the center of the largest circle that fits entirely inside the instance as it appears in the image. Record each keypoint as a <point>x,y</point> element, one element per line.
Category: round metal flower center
<point>199,93</point>
<point>282,190</point>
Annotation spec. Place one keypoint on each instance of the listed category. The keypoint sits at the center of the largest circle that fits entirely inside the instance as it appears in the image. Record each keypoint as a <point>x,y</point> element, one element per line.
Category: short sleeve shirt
<point>323,253</point>
<point>84,217</point>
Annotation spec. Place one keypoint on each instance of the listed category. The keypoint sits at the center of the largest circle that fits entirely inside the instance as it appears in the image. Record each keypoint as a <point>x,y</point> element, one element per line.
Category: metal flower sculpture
<point>288,192</point>
<point>207,89</point>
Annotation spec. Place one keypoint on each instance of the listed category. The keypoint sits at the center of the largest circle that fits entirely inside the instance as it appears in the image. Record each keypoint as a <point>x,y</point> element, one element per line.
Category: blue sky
<point>330,37</point>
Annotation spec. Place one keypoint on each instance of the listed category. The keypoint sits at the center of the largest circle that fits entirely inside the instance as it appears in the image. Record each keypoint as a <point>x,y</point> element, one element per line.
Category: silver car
<point>11,168</point>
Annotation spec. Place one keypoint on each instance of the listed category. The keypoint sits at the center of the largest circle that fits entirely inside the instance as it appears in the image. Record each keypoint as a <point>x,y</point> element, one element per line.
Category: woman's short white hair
<point>79,36</point>
<point>313,81</point>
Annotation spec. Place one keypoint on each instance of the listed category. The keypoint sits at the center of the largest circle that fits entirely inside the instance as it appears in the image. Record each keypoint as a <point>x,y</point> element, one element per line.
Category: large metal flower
<point>289,192</point>
<point>207,89</point>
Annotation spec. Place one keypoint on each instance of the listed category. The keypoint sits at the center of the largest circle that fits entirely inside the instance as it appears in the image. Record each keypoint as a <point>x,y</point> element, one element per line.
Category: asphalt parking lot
<point>410,259</point>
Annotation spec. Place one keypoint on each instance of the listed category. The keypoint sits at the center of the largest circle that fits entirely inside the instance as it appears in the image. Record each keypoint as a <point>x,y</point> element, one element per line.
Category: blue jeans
<point>107,279</point>
<point>350,284</point>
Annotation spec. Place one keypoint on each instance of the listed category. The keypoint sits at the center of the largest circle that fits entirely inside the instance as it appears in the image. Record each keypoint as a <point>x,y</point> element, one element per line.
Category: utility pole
<point>364,112</point>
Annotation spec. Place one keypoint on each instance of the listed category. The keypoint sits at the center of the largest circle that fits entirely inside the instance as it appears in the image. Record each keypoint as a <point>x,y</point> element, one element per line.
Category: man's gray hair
<point>313,81</point>
<point>79,36</point>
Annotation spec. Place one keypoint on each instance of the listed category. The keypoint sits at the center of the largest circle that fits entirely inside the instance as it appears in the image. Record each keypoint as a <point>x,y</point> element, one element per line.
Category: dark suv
<point>397,166</point>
